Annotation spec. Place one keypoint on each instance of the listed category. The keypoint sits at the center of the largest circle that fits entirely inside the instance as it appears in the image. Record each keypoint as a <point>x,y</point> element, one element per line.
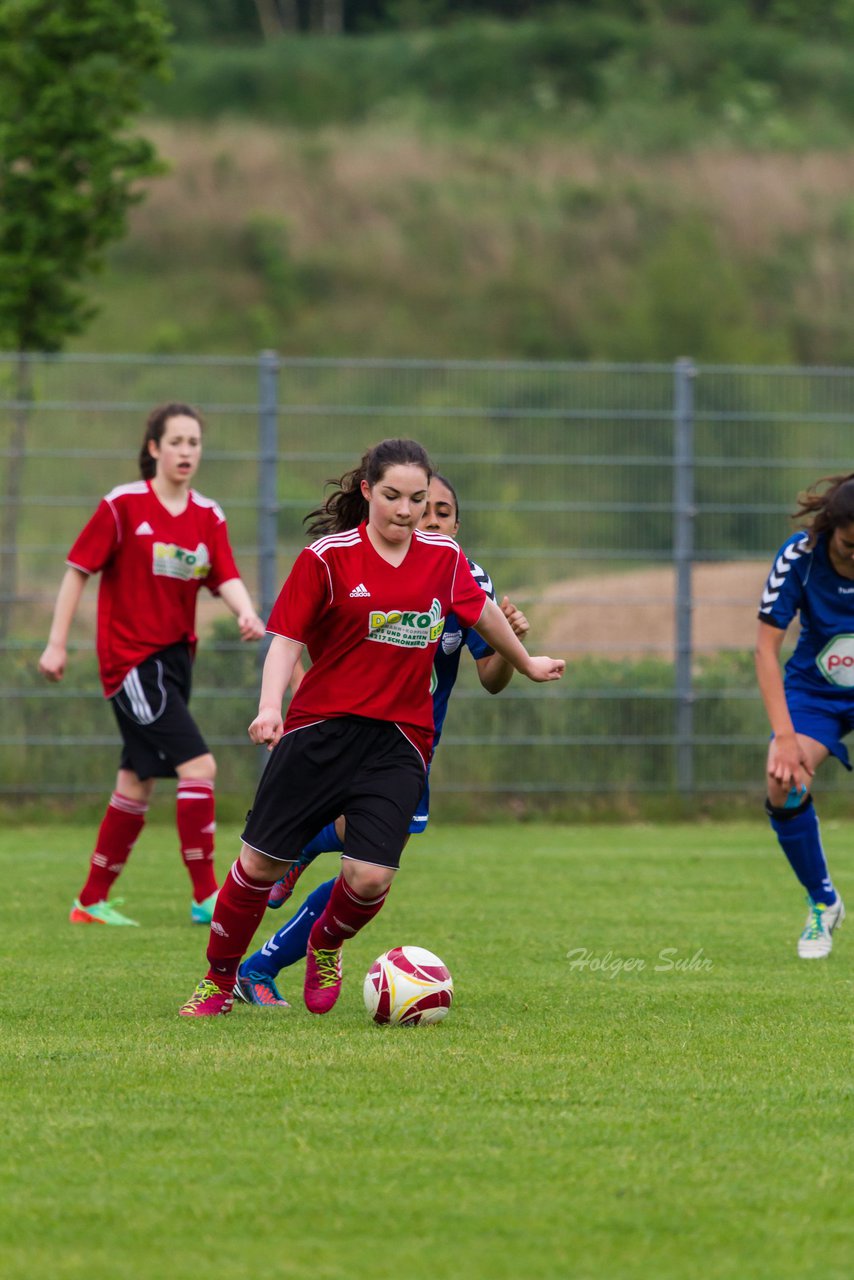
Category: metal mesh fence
<point>631,510</point>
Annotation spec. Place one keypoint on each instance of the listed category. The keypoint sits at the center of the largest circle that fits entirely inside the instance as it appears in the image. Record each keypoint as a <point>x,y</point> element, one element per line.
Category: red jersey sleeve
<point>307,591</point>
<point>468,601</point>
<point>223,566</point>
<point>97,541</point>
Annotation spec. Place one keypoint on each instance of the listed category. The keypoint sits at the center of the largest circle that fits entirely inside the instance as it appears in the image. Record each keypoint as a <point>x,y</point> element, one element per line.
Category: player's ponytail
<point>155,428</point>
<point>826,505</point>
<point>346,508</point>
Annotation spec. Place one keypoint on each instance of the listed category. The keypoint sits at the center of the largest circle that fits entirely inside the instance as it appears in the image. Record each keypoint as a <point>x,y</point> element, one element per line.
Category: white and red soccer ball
<point>408,985</point>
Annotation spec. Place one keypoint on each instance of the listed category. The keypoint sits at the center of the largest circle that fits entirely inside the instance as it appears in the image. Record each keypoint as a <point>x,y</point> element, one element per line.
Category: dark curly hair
<point>346,508</point>
<point>826,505</point>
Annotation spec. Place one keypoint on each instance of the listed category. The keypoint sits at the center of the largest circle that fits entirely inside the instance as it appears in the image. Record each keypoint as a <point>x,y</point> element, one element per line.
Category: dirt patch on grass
<point>632,614</point>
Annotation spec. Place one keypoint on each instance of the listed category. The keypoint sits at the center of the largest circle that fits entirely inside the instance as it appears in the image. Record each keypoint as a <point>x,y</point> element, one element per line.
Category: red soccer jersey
<point>152,565</point>
<point>371,628</point>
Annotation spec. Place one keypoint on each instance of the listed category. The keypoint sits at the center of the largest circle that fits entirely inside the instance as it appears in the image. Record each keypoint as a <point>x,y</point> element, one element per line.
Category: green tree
<point>71,77</point>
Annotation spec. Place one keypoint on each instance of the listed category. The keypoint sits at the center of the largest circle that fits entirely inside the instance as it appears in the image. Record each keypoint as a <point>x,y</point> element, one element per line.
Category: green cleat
<point>100,913</point>
<point>202,912</point>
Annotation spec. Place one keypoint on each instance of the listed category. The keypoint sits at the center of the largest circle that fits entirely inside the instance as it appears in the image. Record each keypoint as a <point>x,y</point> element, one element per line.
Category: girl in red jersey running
<point>155,542</point>
<point>368,599</point>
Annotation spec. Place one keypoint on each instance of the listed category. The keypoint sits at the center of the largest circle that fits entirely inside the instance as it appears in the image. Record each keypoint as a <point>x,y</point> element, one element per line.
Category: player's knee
<point>782,806</point>
<point>132,787</point>
<point>202,768</point>
<point>259,866</point>
<point>367,879</point>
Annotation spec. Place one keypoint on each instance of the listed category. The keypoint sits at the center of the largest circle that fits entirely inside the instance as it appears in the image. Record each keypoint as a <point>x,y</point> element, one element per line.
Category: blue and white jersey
<point>803,581</point>
<point>449,650</point>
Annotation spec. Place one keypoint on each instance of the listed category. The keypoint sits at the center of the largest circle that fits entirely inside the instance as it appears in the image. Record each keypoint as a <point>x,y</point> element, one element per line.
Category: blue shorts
<point>825,721</point>
<point>421,816</point>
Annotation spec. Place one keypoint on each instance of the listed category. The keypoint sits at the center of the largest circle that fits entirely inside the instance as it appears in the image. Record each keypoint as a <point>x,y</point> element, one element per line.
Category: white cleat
<point>816,942</point>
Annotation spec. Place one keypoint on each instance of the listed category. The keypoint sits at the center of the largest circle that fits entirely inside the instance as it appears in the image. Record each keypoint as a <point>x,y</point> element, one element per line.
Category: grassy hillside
<point>389,239</point>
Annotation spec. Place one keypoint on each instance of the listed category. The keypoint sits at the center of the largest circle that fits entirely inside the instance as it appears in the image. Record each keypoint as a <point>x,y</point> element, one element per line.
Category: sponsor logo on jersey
<point>405,628</point>
<point>836,661</point>
<point>171,561</point>
<point>361,590</point>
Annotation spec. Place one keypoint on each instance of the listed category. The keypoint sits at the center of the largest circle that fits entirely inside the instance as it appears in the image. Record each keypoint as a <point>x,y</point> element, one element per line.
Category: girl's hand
<point>52,662</point>
<point>520,624</point>
<point>267,727</point>
<point>543,669</point>
<point>787,762</point>
<point>251,626</point>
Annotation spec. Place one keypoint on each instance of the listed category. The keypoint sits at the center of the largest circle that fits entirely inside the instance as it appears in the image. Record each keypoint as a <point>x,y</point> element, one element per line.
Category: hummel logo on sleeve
<point>361,590</point>
<point>482,579</point>
<point>778,575</point>
<point>145,527</point>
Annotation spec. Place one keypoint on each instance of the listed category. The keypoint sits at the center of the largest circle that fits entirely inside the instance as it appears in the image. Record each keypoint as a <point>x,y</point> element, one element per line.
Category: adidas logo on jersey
<point>145,527</point>
<point>361,590</point>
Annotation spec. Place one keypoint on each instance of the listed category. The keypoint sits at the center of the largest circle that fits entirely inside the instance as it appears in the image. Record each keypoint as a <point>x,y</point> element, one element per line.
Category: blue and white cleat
<point>816,941</point>
<point>259,988</point>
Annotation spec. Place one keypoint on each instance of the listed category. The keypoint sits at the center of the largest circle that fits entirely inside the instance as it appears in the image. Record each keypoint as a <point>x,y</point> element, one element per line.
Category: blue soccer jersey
<point>446,665</point>
<point>803,581</point>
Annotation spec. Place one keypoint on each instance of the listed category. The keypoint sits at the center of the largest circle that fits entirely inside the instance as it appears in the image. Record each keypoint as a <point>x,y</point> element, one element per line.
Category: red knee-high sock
<point>345,914</point>
<point>240,904</point>
<point>195,816</point>
<point>117,835</point>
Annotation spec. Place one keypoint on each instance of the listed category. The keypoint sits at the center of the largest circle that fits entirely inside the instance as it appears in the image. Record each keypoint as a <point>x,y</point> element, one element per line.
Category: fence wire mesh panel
<point>631,511</point>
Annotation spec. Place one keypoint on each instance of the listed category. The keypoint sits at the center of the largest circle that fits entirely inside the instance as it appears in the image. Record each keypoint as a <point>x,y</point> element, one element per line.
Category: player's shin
<point>345,914</point>
<point>797,831</point>
<point>240,904</point>
<point>117,835</point>
<point>196,821</point>
<point>287,945</point>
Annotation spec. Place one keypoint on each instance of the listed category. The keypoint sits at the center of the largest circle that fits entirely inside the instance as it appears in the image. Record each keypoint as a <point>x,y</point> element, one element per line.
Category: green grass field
<point>684,1114</point>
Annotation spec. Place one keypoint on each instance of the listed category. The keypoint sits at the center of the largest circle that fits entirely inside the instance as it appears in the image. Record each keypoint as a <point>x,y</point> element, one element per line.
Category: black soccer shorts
<point>364,769</point>
<point>151,708</point>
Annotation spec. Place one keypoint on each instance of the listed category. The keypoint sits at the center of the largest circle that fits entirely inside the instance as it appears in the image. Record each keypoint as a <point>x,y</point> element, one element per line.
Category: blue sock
<point>288,945</point>
<point>800,839</point>
<point>326,841</point>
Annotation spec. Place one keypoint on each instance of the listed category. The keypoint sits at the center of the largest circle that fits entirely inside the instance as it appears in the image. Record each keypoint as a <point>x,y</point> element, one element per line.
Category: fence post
<point>684,513</point>
<point>268,448</point>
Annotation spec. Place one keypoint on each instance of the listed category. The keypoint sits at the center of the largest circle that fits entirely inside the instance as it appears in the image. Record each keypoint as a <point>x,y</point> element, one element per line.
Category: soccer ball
<point>408,985</point>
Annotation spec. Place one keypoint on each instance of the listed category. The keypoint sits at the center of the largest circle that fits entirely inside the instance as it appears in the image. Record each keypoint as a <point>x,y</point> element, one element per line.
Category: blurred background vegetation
<point>630,181</point>
<point>622,180</point>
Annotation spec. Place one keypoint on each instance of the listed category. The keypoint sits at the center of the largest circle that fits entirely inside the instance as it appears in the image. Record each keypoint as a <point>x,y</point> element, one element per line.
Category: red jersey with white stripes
<point>152,565</point>
<point>371,628</point>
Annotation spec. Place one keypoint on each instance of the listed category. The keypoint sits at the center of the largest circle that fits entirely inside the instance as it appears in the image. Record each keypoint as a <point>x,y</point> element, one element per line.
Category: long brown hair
<point>155,428</point>
<point>346,508</point>
<point>826,505</point>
